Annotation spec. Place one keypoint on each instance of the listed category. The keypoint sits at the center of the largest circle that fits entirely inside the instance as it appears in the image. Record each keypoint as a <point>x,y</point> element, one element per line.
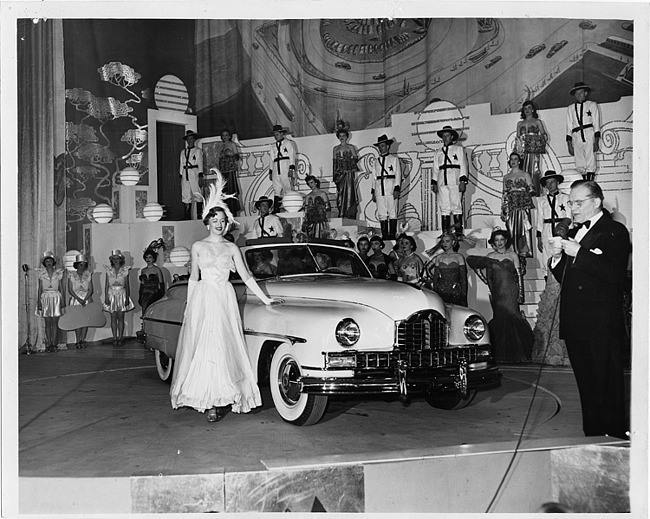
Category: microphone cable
<point>532,399</point>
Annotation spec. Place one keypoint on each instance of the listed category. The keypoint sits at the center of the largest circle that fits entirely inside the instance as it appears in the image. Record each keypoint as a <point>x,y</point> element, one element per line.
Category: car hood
<point>397,300</point>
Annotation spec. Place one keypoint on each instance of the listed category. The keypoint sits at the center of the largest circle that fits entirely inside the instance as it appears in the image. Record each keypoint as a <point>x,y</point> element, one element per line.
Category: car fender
<point>310,326</point>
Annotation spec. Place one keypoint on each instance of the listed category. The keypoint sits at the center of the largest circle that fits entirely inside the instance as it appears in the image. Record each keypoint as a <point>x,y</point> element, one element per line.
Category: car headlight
<point>474,328</point>
<point>347,333</point>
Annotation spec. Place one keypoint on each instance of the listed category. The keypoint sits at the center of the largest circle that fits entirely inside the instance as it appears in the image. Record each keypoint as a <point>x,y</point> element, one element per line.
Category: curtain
<point>41,168</point>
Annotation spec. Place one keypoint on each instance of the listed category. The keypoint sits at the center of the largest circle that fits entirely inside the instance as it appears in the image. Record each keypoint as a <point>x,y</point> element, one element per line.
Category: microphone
<point>25,267</point>
<point>562,228</point>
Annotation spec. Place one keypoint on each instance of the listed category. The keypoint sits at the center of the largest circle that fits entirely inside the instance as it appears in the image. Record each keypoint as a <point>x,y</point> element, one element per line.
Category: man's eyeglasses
<point>578,203</point>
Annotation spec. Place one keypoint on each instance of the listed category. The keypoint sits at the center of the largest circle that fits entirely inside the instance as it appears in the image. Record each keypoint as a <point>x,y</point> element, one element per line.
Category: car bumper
<point>403,374</point>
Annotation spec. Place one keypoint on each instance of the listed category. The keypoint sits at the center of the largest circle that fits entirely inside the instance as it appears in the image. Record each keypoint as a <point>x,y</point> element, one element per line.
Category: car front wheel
<point>293,406</point>
<point>164,365</point>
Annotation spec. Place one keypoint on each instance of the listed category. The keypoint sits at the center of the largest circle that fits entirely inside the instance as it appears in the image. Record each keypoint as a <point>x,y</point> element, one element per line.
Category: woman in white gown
<point>212,366</point>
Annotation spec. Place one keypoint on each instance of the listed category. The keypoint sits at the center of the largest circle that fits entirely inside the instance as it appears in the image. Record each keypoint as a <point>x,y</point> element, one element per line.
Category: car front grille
<point>426,330</point>
<point>415,359</point>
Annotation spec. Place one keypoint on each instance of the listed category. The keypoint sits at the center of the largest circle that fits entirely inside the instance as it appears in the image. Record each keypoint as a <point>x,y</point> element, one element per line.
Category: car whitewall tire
<point>294,407</point>
<point>164,365</point>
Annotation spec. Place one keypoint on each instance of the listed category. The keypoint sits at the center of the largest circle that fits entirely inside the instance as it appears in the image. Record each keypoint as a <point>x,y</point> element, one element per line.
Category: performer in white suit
<point>552,209</point>
<point>386,187</point>
<point>191,171</point>
<point>283,165</point>
<point>583,130</point>
<point>449,178</point>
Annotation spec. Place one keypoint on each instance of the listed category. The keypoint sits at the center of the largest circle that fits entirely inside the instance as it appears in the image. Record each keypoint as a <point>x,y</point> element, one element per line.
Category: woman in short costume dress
<point>152,282</point>
<point>531,142</point>
<point>515,208</point>
<point>448,273</point>
<point>80,288</point>
<point>316,206</point>
<point>345,158</point>
<point>511,335</point>
<point>117,296</point>
<point>50,299</point>
<point>212,367</point>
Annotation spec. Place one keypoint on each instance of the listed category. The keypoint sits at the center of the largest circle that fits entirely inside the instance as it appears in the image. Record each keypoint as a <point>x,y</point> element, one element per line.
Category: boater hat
<point>579,85</point>
<point>449,129</point>
<point>190,133</point>
<point>263,198</point>
<point>383,138</point>
<point>551,174</point>
<point>80,258</point>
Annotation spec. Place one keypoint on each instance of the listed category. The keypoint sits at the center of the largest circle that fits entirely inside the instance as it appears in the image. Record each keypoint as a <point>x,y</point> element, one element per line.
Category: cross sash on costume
<point>447,164</point>
<point>279,155</point>
<point>580,116</point>
<point>554,215</point>
<point>187,163</point>
<point>382,176</point>
<point>263,230</point>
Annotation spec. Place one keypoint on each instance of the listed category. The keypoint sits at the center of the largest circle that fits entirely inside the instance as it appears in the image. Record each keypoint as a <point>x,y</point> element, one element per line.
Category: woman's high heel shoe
<point>213,416</point>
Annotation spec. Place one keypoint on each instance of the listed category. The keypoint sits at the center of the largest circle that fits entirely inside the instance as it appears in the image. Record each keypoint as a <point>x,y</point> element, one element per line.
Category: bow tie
<point>585,224</point>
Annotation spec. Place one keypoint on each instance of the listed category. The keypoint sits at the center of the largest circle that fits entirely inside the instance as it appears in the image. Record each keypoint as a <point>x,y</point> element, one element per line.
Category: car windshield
<point>266,262</point>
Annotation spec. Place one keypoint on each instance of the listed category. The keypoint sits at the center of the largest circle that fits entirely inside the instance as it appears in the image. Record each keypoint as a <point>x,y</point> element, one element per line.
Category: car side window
<point>262,262</point>
<point>295,261</point>
<point>339,261</point>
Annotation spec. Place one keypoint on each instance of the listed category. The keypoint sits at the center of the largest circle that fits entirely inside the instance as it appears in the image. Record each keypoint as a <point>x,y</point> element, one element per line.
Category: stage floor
<point>97,434</point>
<point>102,411</point>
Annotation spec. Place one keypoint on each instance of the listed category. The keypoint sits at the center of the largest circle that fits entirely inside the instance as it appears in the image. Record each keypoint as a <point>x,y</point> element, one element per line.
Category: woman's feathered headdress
<point>155,245</point>
<point>217,197</point>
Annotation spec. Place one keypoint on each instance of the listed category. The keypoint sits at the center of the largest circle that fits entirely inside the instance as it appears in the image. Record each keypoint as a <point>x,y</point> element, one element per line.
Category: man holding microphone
<point>591,265</point>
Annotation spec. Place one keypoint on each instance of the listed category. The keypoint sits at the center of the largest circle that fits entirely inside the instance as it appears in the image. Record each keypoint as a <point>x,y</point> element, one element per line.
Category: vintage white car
<point>341,332</point>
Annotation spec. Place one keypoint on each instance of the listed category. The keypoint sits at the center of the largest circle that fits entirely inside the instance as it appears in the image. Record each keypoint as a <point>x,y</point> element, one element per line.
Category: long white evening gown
<point>212,367</point>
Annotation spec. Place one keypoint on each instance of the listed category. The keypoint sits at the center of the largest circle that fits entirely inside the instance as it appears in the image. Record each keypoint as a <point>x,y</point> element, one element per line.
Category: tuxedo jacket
<point>592,283</point>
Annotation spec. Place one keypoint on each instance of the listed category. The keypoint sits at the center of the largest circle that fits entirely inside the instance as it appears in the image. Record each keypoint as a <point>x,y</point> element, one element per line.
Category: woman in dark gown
<point>345,157</point>
<point>448,273</point>
<point>511,335</point>
<point>152,282</point>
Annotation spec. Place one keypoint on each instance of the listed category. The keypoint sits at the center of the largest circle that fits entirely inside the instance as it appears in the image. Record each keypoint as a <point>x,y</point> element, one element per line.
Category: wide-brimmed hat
<point>279,128</point>
<point>263,198</point>
<point>579,85</point>
<point>116,253</point>
<point>383,139</point>
<point>80,258</point>
<point>48,254</point>
<point>448,129</point>
<point>551,174</point>
<point>190,133</point>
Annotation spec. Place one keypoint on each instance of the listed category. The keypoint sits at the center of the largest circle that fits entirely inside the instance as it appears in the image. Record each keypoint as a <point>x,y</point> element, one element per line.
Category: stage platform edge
<point>587,474</point>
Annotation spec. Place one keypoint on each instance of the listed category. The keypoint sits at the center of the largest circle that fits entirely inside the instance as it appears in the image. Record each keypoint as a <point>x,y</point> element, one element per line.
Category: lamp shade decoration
<point>180,256</point>
<point>103,213</point>
<point>69,259</point>
<point>292,202</point>
<point>129,176</point>
<point>153,211</point>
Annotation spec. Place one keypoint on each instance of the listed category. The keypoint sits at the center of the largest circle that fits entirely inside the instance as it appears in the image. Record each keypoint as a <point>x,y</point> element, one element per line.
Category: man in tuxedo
<point>591,266</point>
